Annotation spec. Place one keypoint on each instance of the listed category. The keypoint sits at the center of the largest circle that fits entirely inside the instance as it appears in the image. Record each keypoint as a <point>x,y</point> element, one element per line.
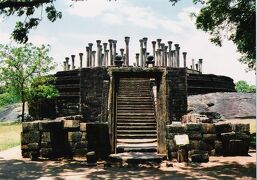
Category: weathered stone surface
<point>200,158</point>
<point>236,147</point>
<point>46,137</point>
<point>194,144</point>
<point>209,137</point>
<point>30,137</point>
<point>175,128</point>
<point>51,125</point>
<point>225,137</point>
<point>193,135</point>
<point>205,146</point>
<point>241,127</point>
<point>83,127</point>
<point>192,152</point>
<point>33,155</point>
<point>173,155</point>
<point>46,152</point>
<point>171,145</point>
<point>218,148</point>
<point>81,152</point>
<point>208,128</point>
<point>30,126</point>
<point>33,146</point>
<point>242,136</point>
<point>74,136</point>
<point>223,128</point>
<point>194,127</point>
<point>91,157</point>
<point>71,124</point>
<point>229,105</point>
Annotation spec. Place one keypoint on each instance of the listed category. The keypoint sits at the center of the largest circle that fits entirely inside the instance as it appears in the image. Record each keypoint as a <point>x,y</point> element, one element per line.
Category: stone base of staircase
<point>137,158</point>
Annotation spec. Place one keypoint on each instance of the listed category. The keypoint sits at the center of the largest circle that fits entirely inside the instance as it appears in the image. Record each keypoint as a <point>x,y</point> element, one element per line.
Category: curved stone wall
<point>208,83</point>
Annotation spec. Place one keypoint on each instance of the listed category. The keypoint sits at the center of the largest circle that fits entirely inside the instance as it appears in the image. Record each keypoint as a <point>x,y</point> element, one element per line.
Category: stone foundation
<point>207,139</point>
<point>64,137</point>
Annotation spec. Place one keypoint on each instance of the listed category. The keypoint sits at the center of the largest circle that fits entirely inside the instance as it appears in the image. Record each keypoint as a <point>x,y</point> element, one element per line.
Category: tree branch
<point>18,4</point>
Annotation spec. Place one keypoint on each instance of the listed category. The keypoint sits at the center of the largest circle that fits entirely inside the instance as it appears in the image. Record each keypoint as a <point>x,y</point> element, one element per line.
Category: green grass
<point>9,135</point>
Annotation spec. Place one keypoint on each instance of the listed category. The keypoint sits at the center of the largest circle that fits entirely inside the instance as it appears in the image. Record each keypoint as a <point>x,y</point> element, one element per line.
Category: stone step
<point>131,107</point>
<point>135,103</point>
<point>139,123</point>
<point>140,100</point>
<point>136,131</point>
<point>122,149</point>
<point>135,114</point>
<point>133,98</point>
<point>134,111</point>
<point>137,118</point>
<point>136,141</point>
<point>136,136</point>
<point>136,127</point>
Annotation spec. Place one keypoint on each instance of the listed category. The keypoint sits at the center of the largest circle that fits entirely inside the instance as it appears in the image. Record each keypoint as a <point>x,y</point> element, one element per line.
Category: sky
<point>88,21</point>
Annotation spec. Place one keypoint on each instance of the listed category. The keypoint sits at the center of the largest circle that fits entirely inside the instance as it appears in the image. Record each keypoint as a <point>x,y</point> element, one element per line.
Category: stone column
<point>104,58</point>
<point>173,62</point>
<point>127,50</point>
<point>100,63</point>
<point>98,54</point>
<point>110,53</point>
<point>93,58</point>
<point>107,57</point>
<point>114,42</point>
<point>162,54</point>
<point>87,64</point>
<point>169,54</point>
<point>137,59</point>
<point>141,52</point>
<point>170,45</point>
<point>144,56</point>
<point>193,64</point>
<point>196,66</point>
<point>159,43</point>
<point>165,56</point>
<point>177,54</point>
<point>158,57</point>
<point>145,46</point>
<point>80,60</point>
<point>185,59</point>
<point>72,62</point>
<point>200,65</point>
<point>67,62</point>
<point>90,45</point>
<point>68,67</point>
<point>154,46</point>
<point>64,66</point>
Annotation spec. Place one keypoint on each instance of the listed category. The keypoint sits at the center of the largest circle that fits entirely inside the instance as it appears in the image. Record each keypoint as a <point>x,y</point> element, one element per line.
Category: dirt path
<point>13,166</point>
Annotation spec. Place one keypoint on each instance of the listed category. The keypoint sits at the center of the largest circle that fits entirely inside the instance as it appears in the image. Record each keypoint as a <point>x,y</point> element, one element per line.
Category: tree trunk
<point>23,110</point>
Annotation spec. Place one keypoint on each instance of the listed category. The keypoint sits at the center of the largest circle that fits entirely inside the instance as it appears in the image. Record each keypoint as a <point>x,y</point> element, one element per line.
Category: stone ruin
<point>107,106</point>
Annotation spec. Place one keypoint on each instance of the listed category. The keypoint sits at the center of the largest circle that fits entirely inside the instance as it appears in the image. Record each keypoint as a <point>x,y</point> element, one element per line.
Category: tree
<point>26,9</point>
<point>234,20</point>
<point>242,86</point>
<point>21,66</point>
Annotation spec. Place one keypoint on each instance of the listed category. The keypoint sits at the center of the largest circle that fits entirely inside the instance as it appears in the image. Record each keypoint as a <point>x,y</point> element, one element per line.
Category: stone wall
<point>210,139</point>
<point>64,137</point>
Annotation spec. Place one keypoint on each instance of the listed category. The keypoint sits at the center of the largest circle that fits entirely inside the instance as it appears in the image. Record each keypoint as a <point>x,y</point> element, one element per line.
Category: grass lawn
<point>9,135</point>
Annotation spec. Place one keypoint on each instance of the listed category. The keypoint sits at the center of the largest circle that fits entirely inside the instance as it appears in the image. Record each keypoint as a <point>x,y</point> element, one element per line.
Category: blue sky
<point>100,19</point>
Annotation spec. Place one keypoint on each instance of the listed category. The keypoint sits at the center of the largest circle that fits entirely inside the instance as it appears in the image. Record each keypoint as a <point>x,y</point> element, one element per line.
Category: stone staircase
<point>136,123</point>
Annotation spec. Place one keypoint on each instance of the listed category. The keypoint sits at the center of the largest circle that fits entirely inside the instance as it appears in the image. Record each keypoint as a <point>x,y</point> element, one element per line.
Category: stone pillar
<point>100,63</point>
<point>196,66</point>
<point>165,56</point>
<point>67,62</point>
<point>173,61</point>
<point>98,54</point>
<point>169,54</point>
<point>105,63</point>
<point>87,57</point>
<point>114,43</point>
<point>170,45</point>
<point>93,58</point>
<point>145,46</point>
<point>80,60</point>
<point>159,43</point>
<point>141,52</point>
<point>193,64</point>
<point>107,57</point>
<point>162,54</point>
<point>64,66</point>
<point>122,53</point>
<point>127,50</point>
<point>110,53</point>
<point>200,65</point>
<point>177,54</point>
<point>144,56</point>
<point>185,59</point>
<point>154,46</point>
<point>68,67</point>
<point>158,57</point>
<point>137,59</point>
<point>90,45</point>
<point>72,62</point>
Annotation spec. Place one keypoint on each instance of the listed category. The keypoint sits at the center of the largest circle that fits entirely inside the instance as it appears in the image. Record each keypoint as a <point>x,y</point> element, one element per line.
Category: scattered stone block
<point>33,155</point>
<point>225,137</point>
<point>194,127</point>
<point>223,128</point>
<point>171,145</point>
<point>91,157</point>
<point>209,137</point>
<point>194,144</point>
<point>74,136</point>
<point>175,128</point>
<point>30,126</point>
<point>205,146</point>
<point>218,148</point>
<point>33,146</point>
<point>30,137</point>
<point>241,127</point>
<point>208,128</point>
<point>83,127</point>
<point>194,135</point>
<point>71,124</point>
<point>173,155</point>
<point>46,152</point>
<point>81,152</point>
<point>192,152</point>
<point>46,137</point>
<point>235,147</point>
<point>200,158</point>
<point>51,125</point>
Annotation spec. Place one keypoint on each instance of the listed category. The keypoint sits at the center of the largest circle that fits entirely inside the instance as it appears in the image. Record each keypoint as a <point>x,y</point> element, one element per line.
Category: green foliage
<point>7,98</point>
<point>234,20</point>
<point>27,10</point>
<point>242,86</point>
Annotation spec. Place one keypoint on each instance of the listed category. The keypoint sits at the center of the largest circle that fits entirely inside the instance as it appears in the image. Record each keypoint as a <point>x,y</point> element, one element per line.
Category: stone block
<point>46,137</point>
<point>71,124</point>
<point>24,147</point>
<point>194,144</point>
<point>50,125</point>
<point>172,155</point>
<point>74,136</point>
<point>25,153</point>
<point>223,128</point>
<point>225,137</point>
<point>171,145</point>
<point>208,128</point>
<point>30,137</point>
<point>175,128</point>
<point>91,157</point>
<point>83,127</point>
<point>33,146</point>
<point>241,127</point>
<point>238,148</point>
<point>192,152</point>
<point>30,126</point>
<point>194,127</point>
<point>193,135</point>
<point>81,152</point>
<point>33,155</point>
<point>242,136</point>
<point>200,158</point>
<point>205,146</point>
<point>46,152</point>
<point>218,148</point>
<point>209,137</point>
<point>83,136</point>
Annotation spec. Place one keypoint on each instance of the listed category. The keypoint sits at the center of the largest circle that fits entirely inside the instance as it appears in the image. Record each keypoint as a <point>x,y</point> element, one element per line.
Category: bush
<point>242,86</point>
<point>7,98</point>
